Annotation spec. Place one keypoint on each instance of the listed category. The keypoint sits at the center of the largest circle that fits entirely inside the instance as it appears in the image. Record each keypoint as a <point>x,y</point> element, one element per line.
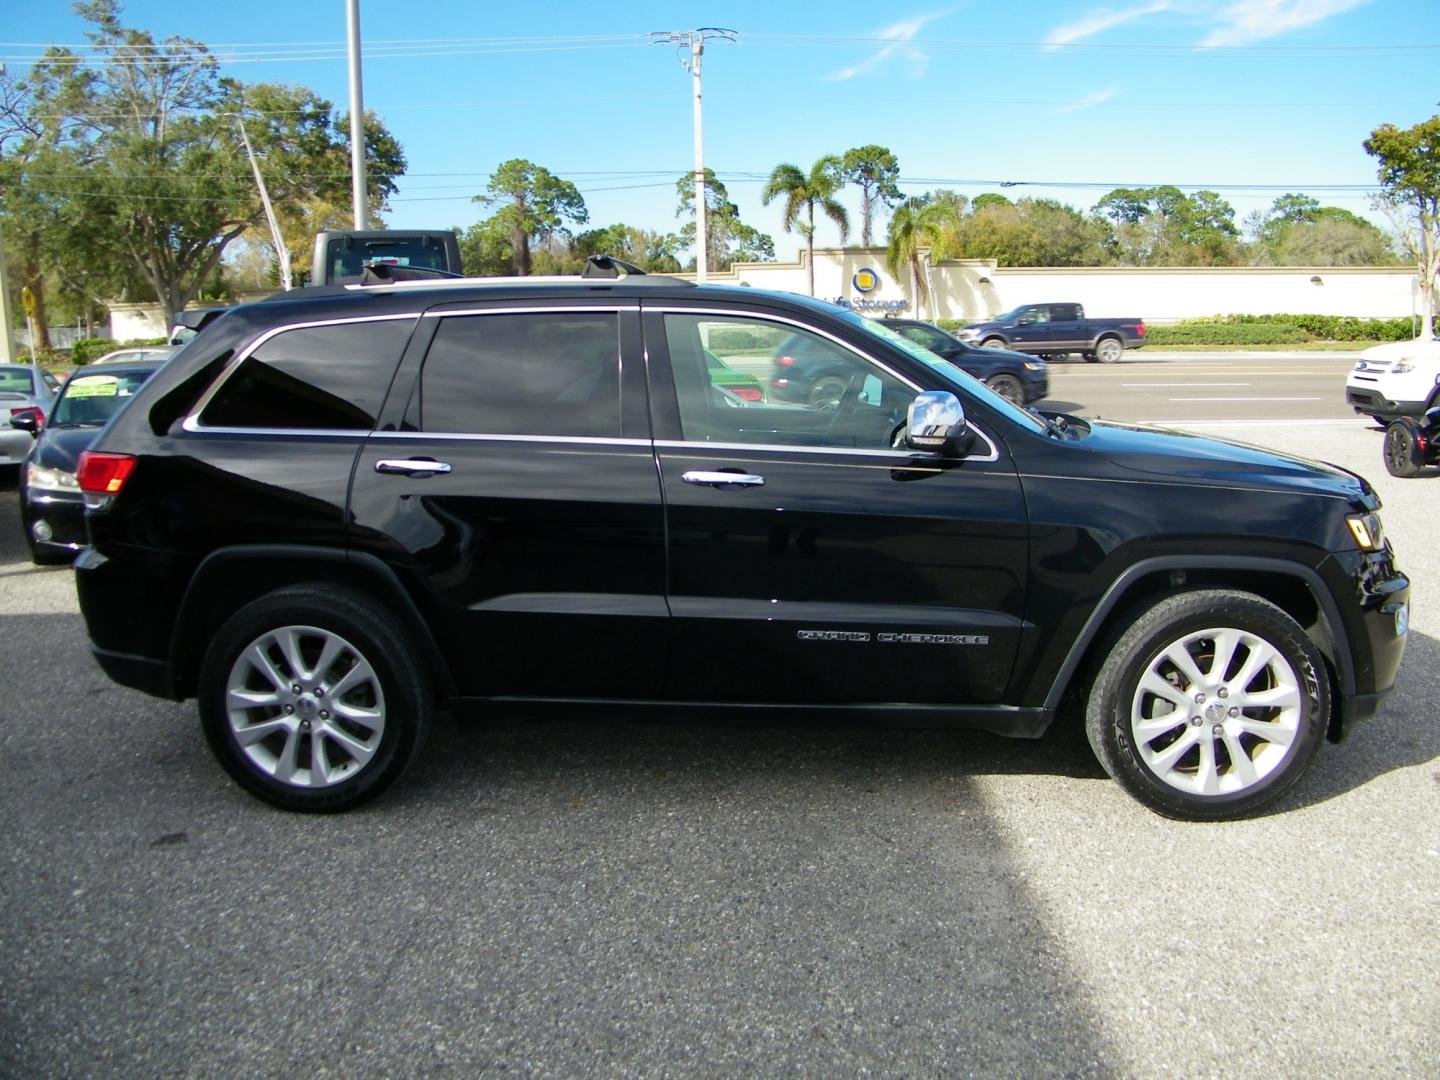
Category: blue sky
<point>1063,99</point>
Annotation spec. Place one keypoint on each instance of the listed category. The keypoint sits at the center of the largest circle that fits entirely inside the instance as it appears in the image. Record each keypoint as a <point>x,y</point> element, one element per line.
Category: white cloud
<point>1255,20</point>
<point>1095,97</point>
<point>1102,19</point>
<point>899,37</point>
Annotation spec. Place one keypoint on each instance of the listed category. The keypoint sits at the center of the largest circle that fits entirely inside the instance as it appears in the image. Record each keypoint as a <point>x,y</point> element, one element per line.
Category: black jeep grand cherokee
<point>333,513</point>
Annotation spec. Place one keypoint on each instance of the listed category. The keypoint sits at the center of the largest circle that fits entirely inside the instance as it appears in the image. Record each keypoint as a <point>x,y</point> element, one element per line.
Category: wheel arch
<point>1296,589</point>
<point>229,578</point>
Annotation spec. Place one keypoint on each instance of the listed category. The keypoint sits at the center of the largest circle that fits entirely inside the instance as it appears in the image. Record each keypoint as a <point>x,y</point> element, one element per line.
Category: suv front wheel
<point>1210,705</point>
<point>312,699</point>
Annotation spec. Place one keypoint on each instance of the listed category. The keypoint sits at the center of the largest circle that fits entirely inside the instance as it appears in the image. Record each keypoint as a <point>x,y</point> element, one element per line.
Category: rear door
<point>516,488</point>
<point>810,560</point>
<point>1065,330</point>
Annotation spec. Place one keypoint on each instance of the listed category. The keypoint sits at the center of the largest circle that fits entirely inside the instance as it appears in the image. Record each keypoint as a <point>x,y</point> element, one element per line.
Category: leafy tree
<point>874,170</point>
<point>1032,232</point>
<point>485,249</point>
<point>150,130</point>
<point>1207,227</point>
<point>802,192</point>
<point>535,205</point>
<point>990,199</point>
<point>649,250</point>
<point>1410,196</point>
<point>921,226</point>
<point>728,240</point>
<point>1298,231</point>
<point>1333,241</point>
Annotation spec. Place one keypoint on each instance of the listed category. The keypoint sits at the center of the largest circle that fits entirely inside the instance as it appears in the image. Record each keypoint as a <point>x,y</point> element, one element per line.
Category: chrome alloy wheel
<point>305,706</point>
<point>1216,712</point>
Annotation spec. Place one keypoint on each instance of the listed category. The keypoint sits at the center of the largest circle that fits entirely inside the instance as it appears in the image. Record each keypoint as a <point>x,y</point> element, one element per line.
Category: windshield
<point>348,259</point>
<point>94,399</point>
<point>961,380</point>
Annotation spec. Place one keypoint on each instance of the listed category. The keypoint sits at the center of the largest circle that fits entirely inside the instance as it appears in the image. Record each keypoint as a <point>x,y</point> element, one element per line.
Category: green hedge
<point>1197,332</point>
<point>734,339</point>
<point>1264,330</point>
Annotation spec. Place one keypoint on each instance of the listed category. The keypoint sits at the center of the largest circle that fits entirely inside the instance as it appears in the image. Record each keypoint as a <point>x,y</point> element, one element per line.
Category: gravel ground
<point>592,896</point>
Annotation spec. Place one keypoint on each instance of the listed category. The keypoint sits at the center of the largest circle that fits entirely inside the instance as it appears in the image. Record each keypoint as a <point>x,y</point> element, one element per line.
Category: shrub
<point>1200,332</point>
<point>87,349</point>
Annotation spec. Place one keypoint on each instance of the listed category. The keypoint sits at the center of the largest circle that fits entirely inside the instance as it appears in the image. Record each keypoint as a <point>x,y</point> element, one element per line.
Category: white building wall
<point>975,289</point>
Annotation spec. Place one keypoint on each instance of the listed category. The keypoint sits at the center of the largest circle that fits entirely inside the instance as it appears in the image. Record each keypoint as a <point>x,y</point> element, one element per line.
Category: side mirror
<point>936,422</point>
<point>26,421</point>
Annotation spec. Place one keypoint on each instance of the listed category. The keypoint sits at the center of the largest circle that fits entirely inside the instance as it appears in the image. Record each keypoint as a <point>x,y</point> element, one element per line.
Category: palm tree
<point>918,224</point>
<point>804,193</point>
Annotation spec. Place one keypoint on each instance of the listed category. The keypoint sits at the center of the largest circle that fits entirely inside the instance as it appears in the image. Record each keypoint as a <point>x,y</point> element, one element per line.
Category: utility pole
<point>282,253</point>
<point>358,197</point>
<point>7,337</point>
<point>695,40</point>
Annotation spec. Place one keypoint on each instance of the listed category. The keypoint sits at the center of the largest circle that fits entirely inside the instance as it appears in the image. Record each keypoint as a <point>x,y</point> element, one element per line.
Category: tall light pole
<point>358,198</point>
<point>695,39</point>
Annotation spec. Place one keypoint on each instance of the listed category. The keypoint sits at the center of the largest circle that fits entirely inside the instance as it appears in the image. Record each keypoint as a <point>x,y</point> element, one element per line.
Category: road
<point>588,895</point>
<point>1184,389</point>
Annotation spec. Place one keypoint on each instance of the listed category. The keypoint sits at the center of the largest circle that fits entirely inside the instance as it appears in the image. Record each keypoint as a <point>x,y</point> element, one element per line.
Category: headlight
<point>965,333</point>
<point>1366,530</point>
<point>1402,367</point>
<point>39,478</point>
<point>1034,365</point>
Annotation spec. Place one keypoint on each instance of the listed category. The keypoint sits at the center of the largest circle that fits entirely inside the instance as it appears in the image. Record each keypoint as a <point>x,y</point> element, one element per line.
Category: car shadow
<point>697,753</point>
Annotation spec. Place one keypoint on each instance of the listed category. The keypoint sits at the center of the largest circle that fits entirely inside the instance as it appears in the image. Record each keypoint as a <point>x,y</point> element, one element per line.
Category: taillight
<point>33,410</point>
<point>784,361</point>
<point>1140,329</point>
<point>747,393</point>
<point>100,473</point>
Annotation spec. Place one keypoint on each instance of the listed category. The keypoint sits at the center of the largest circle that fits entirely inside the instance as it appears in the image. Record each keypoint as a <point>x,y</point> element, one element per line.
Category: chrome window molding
<point>612,308</point>
<point>470,436</point>
<point>192,421</point>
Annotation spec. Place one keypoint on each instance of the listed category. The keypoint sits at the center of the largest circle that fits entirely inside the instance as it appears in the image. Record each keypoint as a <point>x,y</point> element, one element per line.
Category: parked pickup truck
<point>1052,329</point>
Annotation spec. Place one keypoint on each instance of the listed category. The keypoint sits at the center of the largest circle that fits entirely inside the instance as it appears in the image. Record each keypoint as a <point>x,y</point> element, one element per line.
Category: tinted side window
<point>1064,312</point>
<point>820,394</point>
<point>530,373</point>
<point>329,377</point>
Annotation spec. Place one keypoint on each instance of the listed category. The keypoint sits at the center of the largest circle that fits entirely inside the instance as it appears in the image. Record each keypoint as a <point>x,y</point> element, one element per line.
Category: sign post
<point>27,301</point>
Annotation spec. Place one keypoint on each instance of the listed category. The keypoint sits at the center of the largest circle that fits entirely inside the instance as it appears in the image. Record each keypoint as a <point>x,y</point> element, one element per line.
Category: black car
<point>1015,376</point>
<point>332,515</point>
<point>52,509</point>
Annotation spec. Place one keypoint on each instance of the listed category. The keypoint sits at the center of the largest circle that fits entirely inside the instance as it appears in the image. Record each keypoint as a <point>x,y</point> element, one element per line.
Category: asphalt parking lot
<point>594,896</point>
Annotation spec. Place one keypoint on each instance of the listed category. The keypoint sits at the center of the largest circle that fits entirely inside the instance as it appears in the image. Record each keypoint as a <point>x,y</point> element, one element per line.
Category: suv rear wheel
<point>312,699</point>
<point>1209,706</point>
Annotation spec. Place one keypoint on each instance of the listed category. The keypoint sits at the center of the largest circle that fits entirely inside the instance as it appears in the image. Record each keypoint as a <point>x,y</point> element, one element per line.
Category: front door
<point>809,559</point>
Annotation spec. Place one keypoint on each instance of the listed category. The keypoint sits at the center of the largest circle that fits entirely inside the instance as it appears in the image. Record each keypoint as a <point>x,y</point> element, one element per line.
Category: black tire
<point>1243,745</point>
<point>1088,357</point>
<point>343,641</point>
<point>994,343</point>
<point>1403,453</point>
<point>1108,350</point>
<point>1008,387</point>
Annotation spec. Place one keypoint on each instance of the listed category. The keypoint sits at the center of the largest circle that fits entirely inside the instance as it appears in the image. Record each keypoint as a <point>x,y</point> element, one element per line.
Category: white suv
<point>1401,378</point>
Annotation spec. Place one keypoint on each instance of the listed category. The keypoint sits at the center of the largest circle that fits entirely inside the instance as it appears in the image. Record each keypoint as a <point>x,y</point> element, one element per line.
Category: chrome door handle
<point>412,466</point>
<point>722,479</point>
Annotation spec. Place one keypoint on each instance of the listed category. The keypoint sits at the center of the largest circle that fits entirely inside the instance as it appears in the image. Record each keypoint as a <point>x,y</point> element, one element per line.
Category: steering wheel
<point>845,403</point>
